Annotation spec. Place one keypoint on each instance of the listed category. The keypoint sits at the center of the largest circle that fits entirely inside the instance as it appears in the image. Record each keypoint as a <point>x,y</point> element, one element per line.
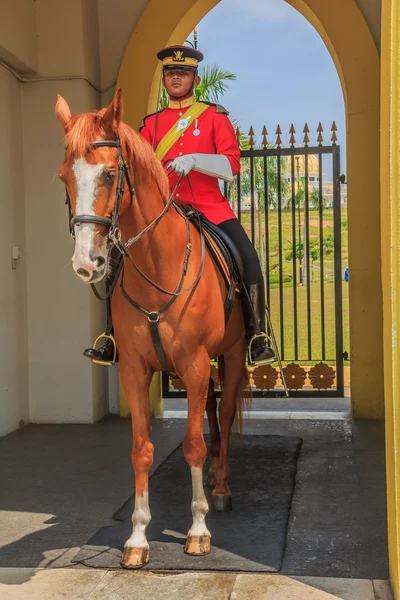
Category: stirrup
<point>267,361</point>
<point>105,363</point>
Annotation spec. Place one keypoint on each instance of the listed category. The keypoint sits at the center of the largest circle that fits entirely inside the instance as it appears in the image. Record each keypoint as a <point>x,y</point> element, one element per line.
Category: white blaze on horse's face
<point>90,257</point>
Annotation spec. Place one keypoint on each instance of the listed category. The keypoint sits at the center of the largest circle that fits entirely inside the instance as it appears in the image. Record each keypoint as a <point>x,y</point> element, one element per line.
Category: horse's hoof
<point>135,558</point>
<point>198,545</point>
<point>211,479</point>
<point>221,503</point>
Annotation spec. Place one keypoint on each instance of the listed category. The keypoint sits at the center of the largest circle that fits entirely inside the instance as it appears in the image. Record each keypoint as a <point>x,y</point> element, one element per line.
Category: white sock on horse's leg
<point>199,505</point>
<point>140,519</point>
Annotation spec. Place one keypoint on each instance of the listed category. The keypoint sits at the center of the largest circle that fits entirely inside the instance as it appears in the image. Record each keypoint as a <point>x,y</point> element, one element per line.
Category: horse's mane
<point>87,127</point>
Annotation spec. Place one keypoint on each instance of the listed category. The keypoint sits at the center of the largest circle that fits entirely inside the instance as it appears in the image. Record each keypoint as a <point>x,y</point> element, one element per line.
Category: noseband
<point>110,222</point>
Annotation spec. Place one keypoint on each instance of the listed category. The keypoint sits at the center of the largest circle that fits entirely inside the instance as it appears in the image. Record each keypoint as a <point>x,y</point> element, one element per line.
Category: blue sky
<point>284,71</point>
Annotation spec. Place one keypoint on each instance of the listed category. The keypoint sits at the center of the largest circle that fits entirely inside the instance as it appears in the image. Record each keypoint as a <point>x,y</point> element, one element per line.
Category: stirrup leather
<point>105,363</point>
<point>270,344</point>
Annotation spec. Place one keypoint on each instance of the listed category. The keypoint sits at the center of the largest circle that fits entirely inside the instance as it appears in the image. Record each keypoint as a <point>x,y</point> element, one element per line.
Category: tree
<point>314,199</point>
<point>213,85</point>
<point>300,196</point>
<point>314,248</point>
<point>259,182</point>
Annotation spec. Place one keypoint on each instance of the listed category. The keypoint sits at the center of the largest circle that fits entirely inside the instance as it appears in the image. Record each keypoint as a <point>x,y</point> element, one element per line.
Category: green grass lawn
<point>315,288</point>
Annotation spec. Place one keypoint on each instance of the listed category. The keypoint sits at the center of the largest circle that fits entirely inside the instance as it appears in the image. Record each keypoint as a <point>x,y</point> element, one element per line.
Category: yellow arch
<point>353,51</point>
<point>349,41</point>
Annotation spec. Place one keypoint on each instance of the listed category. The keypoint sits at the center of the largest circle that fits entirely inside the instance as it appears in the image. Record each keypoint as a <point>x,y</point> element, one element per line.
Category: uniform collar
<point>184,104</point>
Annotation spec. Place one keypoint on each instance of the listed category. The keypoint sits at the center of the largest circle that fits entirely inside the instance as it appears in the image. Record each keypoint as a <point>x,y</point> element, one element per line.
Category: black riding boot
<point>260,353</point>
<point>105,354</point>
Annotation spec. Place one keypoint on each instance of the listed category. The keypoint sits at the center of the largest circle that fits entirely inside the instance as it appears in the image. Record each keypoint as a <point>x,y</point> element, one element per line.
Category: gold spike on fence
<point>292,139</point>
<point>320,139</point>
<point>334,136</point>
<point>292,131</point>
<point>264,133</point>
<point>251,139</point>
<point>238,136</point>
<point>278,136</point>
<point>306,131</point>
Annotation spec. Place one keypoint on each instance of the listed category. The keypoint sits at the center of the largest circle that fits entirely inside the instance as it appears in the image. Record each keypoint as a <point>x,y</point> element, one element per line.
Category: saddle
<point>223,250</point>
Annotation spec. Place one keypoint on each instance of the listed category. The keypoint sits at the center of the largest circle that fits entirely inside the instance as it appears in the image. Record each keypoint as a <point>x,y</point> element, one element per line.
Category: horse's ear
<point>113,116</point>
<point>63,112</point>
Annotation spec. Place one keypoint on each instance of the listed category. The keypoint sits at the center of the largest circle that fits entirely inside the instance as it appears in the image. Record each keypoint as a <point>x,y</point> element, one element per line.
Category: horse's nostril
<point>83,272</point>
<point>100,261</point>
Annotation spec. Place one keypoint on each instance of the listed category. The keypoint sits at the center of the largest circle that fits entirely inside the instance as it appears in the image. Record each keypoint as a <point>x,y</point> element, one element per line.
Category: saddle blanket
<point>219,259</point>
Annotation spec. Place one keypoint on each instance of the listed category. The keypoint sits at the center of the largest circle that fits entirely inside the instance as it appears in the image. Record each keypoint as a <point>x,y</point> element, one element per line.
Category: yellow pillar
<point>390,217</point>
<point>156,399</point>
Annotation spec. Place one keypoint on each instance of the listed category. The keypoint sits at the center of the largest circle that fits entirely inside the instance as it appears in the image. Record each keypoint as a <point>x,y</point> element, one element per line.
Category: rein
<point>114,236</point>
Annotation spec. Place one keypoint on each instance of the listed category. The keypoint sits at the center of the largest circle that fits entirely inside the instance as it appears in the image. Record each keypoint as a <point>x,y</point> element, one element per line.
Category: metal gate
<point>289,201</point>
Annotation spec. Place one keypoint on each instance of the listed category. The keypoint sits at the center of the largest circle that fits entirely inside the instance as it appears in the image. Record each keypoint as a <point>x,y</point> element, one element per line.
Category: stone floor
<point>64,482</point>
<point>80,584</point>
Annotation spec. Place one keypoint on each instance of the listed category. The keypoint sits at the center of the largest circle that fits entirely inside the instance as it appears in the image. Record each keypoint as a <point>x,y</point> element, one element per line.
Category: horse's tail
<point>243,394</point>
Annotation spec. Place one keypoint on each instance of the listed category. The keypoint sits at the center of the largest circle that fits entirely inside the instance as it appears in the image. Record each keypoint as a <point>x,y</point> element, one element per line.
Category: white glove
<point>183,164</point>
<point>214,165</point>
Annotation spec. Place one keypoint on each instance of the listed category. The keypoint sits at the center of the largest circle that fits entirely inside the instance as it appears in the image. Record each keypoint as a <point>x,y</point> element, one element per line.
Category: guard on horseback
<point>197,144</point>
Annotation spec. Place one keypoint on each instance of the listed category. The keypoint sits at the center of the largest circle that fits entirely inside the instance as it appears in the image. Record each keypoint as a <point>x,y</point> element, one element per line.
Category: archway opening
<point>289,216</point>
<point>357,65</point>
<point>350,44</point>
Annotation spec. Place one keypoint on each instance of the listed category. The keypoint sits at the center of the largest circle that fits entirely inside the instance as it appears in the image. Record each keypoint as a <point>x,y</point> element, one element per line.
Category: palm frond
<point>213,83</point>
<point>164,99</point>
<point>212,87</point>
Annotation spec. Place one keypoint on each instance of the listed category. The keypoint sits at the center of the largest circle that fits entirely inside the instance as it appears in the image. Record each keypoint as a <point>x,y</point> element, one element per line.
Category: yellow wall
<point>390,194</point>
<point>348,39</point>
<point>156,401</point>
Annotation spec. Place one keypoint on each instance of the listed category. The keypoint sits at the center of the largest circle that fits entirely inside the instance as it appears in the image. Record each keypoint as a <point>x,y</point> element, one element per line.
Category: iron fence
<point>289,201</point>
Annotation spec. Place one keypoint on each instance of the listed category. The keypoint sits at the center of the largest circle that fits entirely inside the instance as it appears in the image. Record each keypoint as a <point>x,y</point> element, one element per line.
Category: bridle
<point>110,222</point>
<point>114,236</point>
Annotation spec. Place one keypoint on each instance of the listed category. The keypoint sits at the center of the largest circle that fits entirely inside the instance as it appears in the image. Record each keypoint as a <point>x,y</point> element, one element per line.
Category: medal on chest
<point>196,130</point>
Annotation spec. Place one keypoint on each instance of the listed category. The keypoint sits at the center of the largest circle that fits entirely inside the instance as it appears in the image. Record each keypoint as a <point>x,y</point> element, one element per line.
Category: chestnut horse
<point>104,157</point>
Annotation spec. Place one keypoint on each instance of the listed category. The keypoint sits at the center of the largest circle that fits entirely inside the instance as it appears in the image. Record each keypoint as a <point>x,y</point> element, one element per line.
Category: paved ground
<point>80,584</point>
<point>65,482</point>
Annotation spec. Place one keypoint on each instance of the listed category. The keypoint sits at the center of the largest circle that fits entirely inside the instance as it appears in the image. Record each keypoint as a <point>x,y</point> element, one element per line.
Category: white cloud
<point>263,10</point>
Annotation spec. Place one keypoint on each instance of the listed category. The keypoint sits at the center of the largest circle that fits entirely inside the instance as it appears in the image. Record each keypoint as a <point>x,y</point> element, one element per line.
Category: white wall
<point>116,24</point>
<point>18,34</point>
<point>63,317</point>
<point>47,316</point>
<point>14,404</point>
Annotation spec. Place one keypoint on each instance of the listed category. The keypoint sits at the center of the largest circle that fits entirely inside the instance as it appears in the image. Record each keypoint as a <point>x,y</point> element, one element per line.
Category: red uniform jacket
<point>217,136</point>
